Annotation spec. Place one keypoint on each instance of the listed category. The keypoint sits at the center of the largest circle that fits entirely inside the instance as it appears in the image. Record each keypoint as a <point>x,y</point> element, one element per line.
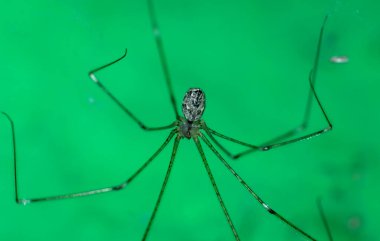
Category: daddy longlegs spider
<point>192,126</point>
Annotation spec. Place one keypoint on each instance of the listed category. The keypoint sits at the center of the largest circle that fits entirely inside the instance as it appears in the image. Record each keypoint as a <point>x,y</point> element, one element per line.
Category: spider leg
<point>278,143</point>
<point>283,136</point>
<point>161,52</point>
<point>292,132</point>
<point>224,149</point>
<point>200,149</point>
<point>324,219</point>
<point>79,194</point>
<point>175,147</point>
<point>286,135</point>
<point>14,153</point>
<point>117,101</point>
<point>250,190</point>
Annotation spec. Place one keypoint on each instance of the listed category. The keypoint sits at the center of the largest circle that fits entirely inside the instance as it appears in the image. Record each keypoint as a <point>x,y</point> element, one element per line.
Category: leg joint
<point>270,210</point>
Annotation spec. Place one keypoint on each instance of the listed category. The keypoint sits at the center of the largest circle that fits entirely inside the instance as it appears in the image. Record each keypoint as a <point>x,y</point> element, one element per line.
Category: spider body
<point>193,106</point>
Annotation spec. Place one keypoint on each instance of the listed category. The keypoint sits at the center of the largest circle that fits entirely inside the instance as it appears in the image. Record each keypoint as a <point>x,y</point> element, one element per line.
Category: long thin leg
<point>324,219</point>
<point>250,190</point>
<point>161,52</point>
<point>229,220</point>
<point>175,147</point>
<point>79,194</point>
<point>243,153</point>
<point>14,153</point>
<point>292,132</point>
<point>281,137</point>
<point>118,102</point>
<point>312,78</point>
<point>107,189</point>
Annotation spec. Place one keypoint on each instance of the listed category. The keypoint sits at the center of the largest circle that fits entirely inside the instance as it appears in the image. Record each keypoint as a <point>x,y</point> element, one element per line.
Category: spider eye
<point>193,104</point>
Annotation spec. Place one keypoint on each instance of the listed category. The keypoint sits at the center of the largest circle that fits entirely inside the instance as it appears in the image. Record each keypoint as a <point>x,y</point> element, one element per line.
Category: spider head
<point>193,104</point>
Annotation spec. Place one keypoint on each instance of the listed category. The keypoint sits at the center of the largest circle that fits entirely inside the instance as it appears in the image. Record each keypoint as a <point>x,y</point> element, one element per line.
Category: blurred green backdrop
<point>71,137</point>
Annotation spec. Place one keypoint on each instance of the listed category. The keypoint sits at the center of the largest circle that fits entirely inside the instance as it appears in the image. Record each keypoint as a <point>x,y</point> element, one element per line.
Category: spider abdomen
<point>193,104</point>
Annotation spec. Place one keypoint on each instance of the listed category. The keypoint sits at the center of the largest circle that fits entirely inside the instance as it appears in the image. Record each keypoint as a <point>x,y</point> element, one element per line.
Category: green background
<point>252,59</point>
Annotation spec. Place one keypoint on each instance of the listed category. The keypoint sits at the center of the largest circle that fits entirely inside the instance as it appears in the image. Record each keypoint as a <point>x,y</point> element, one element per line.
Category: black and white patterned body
<point>193,106</point>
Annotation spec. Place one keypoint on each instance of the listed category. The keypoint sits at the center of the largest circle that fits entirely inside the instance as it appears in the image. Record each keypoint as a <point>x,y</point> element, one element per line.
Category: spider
<point>192,127</point>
